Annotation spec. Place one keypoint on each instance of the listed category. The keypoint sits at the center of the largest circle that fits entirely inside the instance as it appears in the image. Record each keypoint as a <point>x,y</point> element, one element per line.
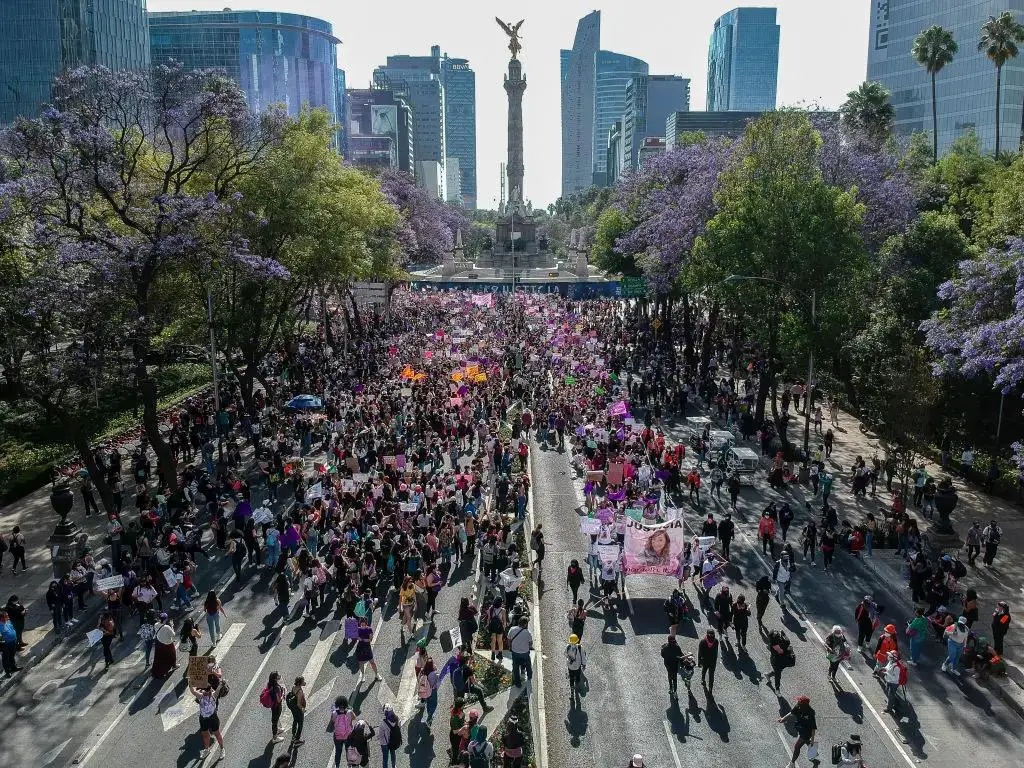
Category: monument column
<point>515,84</point>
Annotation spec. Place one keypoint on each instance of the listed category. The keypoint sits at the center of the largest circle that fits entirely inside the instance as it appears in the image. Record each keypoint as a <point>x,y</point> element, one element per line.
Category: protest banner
<point>590,526</point>
<point>111,582</point>
<point>595,475</point>
<point>93,636</point>
<point>359,478</point>
<point>615,473</point>
<point>400,462</point>
<point>348,486</point>
<point>262,516</point>
<point>198,674</point>
<point>406,392</point>
<point>170,578</point>
<point>608,553</point>
<point>655,549</point>
<point>634,513</point>
<point>315,491</point>
<point>389,461</point>
<point>409,506</point>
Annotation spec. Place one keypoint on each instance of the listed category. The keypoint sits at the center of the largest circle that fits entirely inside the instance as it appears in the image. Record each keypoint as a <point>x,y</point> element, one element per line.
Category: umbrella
<point>305,402</point>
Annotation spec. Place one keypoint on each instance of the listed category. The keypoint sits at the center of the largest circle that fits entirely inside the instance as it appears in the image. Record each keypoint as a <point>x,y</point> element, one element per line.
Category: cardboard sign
<point>608,553</point>
<point>352,463</point>
<point>94,635</point>
<point>590,526</point>
<point>595,476</point>
<point>262,516</point>
<point>315,491</point>
<point>615,473</point>
<point>348,486</point>
<point>406,392</point>
<point>389,461</point>
<point>635,514</point>
<point>198,676</point>
<point>360,478</point>
<point>170,578</point>
<point>409,507</point>
<point>400,461</point>
<point>111,582</point>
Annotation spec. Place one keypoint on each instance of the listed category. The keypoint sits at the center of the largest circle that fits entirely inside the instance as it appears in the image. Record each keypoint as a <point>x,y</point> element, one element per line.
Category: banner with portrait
<point>656,549</point>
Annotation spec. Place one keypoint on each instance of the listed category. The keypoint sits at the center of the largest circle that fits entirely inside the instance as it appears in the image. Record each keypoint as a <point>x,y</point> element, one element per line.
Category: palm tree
<point>933,49</point>
<point>999,38</point>
<point>868,109</point>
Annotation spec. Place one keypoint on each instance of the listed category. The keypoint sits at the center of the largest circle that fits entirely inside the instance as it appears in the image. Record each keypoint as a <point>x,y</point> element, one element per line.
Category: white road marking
<point>102,686</point>
<point>864,699</point>
<point>187,707</point>
<point>50,756</point>
<point>542,743</point>
<point>314,665</point>
<point>672,744</point>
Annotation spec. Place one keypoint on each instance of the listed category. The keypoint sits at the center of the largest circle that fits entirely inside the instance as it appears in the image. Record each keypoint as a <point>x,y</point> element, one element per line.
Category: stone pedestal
<point>66,541</point>
<point>941,532</point>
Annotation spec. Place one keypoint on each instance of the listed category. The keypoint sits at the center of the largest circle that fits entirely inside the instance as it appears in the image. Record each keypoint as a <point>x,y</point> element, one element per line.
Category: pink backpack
<point>342,725</point>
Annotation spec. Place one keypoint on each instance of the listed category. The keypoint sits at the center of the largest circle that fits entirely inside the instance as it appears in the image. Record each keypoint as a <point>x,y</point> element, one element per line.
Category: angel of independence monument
<point>518,260</point>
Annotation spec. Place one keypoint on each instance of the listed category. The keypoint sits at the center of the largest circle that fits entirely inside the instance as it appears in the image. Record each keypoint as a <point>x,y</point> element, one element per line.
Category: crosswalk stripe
<point>187,707</point>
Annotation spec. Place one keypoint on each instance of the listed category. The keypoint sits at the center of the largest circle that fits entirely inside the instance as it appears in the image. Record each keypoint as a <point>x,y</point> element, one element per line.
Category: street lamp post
<point>810,361</point>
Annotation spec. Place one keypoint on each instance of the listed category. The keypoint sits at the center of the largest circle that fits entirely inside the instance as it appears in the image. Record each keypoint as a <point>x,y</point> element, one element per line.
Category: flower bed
<point>519,709</point>
<point>492,678</point>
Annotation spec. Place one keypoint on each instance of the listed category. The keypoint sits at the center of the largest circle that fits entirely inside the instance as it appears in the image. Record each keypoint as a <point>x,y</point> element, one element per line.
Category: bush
<point>520,709</point>
<point>492,678</point>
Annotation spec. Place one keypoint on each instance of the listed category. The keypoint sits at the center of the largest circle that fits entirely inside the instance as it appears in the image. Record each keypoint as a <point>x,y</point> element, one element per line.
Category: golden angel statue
<point>513,35</point>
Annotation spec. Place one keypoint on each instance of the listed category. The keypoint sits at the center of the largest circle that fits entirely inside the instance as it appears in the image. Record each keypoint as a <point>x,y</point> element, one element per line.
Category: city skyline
<point>466,30</point>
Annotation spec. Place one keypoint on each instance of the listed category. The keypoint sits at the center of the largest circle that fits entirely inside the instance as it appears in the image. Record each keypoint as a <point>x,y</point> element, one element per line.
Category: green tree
<point>325,222</point>
<point>779,221</point>
<point>868,111</point>
<point>611,225</point>
<point>933,49</point>
<point>1001,205</point>
<point>999,38</point>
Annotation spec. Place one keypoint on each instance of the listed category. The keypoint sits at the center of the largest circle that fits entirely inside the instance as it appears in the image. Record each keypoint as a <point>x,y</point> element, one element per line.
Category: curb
<point>1003,687</point>
<point>540,740</point>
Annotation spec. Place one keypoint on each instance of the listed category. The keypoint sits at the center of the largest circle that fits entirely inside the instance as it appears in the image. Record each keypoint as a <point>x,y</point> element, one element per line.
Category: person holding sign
<point>209,721</point>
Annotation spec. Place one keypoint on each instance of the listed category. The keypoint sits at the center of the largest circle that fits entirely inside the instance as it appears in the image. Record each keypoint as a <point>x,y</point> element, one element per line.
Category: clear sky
<point>823,55</point>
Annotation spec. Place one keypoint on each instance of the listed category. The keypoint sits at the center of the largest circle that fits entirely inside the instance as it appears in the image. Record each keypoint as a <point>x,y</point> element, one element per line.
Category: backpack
<point>903,672</point>
<point>959,569</point>
<point>423,689</point>
<point>478,756</point>
<point>222,690</point>
<point>994,536</point>
<point>265,698</point>
<point>763,584</point>
<point>458,679</point>
<point>343,725</point>
<point>837,754</point>
<point>395,736</point>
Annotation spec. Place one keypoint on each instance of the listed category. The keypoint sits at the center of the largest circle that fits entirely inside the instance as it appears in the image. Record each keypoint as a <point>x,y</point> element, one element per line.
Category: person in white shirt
<point>576,662</point>
<point>992,535</point>
<point>520,643</point>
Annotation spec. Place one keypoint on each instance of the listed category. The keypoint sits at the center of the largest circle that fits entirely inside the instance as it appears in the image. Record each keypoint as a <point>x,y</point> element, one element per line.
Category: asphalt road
<point>946,722</point>
<point>69,712</point>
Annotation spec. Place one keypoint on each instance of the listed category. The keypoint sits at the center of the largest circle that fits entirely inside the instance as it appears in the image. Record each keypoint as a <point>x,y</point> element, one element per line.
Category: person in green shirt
<point>456,722</point>
<point>917,631</point>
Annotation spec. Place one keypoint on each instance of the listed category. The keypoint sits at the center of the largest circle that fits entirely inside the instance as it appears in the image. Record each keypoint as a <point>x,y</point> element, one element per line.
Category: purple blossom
<point>426,229</point>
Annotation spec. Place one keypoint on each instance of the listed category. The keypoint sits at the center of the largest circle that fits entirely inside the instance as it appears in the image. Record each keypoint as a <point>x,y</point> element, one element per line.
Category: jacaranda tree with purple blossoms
<point>130,177</point>
<point>980,330</point>
<point>426,228</point>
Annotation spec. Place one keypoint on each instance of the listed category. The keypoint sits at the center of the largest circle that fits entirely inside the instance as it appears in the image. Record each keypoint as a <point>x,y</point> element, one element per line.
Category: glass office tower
<point>743,61</point>
<point>577,70</point>
<point>42,38</point>
<point>965,89</point>
<point>276,58</point>
<point>614,72</point>
<point>460,122</point>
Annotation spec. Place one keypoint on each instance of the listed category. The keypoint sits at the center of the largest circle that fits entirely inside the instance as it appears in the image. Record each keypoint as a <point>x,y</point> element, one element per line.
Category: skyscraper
<point>578,75</point>
<point>418,79</point>
<point>593,99</point>
<point>650,99</point>
<point>459,83</point>
<point>339,106</point>
<point>276,58</point>
<point>42,38</point>
<point>743,61</point>
<point>379,129</point>
<point>614,71</point>
<point>965,88</point>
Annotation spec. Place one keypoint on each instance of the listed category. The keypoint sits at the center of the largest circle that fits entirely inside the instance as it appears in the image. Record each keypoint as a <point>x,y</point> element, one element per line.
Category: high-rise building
<point>613,152</point>
<point>276,58</point>
<point>339,107</point>
<point>650,99</point>
<point>730,124</point>
<point>578,75</point>
<point>593,99</point>
<point>459,83</point>
<point>375,113</point>
<point>614,71</point>
<point>453,180</point>
<point>418,80</point>
<point>743,61</point>
<point>651,147</point>
<point>965,88</point>
<point>42,38</point>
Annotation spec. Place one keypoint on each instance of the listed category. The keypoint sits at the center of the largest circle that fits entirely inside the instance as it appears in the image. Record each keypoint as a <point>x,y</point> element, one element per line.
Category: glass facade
<point>965,89</point>
<point>743,61</point>
<point>276,58</point>
<point>650,99</point>
<point>42,38</point>
<point>460,124</point>
<point>614,72</point>
<point>578,80</point>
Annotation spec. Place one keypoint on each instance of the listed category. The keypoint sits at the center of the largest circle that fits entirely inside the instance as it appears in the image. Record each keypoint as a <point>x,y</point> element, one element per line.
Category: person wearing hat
<point>707,660</point>
<point>891,675</point>
<point>886,642</point>
<point>850,752</point>
<point>806,726</point>
<point>576,661</point>
<point>636,762</point>
<point>955,637</point>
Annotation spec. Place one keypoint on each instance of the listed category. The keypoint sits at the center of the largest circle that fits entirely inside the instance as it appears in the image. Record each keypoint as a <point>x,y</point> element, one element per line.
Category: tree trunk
<point>767,380</point>
<point>707,348</point>
<point>935,125</point>
<point>80,439</point>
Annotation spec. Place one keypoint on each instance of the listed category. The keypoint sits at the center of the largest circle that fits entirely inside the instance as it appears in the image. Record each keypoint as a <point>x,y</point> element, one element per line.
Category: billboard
<point>384,120</point>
